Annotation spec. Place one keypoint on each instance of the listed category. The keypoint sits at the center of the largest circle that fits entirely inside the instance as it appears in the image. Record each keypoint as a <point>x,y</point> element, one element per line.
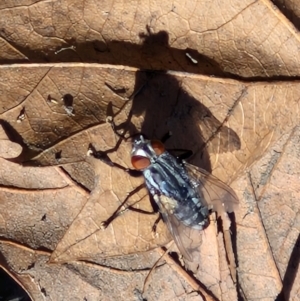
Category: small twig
<point>72,47</point>
<point>155,265</point>
<point>193,283</point>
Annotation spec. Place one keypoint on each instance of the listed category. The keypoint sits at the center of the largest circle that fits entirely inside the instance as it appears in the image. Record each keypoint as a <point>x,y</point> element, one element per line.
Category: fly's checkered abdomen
<point>192,213</point>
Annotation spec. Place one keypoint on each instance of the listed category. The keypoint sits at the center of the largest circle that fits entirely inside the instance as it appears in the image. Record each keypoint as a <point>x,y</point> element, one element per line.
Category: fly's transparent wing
<point>218,196</point>
<point>186,238</point>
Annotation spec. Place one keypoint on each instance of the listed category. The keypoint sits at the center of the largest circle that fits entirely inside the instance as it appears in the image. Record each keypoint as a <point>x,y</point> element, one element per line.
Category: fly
<point>185,194</point>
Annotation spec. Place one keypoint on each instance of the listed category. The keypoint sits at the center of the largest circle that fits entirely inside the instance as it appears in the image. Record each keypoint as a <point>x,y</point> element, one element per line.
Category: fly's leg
<point>102,156</point>
<point>154,227</point>
<point>122,209</point>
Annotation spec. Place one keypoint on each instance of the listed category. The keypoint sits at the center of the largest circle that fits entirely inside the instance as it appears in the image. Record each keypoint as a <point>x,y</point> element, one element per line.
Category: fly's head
<point>145,152</point>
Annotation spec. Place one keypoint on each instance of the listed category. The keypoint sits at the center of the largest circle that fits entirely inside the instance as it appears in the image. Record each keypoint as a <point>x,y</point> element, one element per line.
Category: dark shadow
<point>68,100</point>
<point>151,52</point>
<point>14,136</point>
<point>288,11</point>
<point>21,116</point>
<point>166,106</point>
<point>290,273</point>
<point>9,288</point>
<point>233,231</point>
<point>68,104</point>
<point>11,133</point>
<point>58,155</point>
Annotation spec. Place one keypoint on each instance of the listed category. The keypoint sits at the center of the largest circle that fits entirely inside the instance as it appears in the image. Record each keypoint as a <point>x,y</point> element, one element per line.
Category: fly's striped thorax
<point>165,176</point>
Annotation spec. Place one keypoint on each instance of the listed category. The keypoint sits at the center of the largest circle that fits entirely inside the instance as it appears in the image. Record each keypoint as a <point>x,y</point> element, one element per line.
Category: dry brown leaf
<point>231,151</point>
<point>247,38</point>
<point>246,133</point>
<point>42,280</point>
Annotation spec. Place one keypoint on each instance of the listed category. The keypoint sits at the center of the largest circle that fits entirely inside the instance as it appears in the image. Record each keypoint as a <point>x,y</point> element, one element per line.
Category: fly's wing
<point>187,239</point>
<point>218,196</point>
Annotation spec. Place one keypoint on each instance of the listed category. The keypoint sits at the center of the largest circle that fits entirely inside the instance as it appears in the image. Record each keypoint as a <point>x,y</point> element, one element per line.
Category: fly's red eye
<point>139,162</point>
<point>158,147</point>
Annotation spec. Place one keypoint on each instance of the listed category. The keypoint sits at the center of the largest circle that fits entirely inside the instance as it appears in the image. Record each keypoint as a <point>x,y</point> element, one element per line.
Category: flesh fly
<point>184,193</point>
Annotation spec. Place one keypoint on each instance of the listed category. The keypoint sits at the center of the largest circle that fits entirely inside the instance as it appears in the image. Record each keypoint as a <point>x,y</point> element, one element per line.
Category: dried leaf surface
<point>247,38</point>
<point>246,133</point>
